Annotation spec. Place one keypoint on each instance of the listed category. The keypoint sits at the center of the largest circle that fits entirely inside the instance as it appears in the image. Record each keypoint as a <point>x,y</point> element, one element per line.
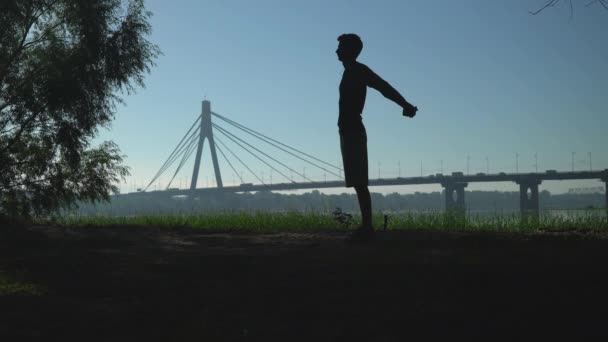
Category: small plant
<point>342,217</point>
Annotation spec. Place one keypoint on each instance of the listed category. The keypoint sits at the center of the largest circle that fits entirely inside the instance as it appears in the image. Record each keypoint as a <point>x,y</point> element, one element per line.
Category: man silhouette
<point>353,138</point>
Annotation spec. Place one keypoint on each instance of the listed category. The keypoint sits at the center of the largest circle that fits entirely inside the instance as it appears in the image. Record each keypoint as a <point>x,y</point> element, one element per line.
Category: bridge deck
<point>432,179</point>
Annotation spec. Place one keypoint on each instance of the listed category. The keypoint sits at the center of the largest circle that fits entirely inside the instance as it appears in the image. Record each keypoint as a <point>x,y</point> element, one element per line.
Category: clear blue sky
<point>489,78</point>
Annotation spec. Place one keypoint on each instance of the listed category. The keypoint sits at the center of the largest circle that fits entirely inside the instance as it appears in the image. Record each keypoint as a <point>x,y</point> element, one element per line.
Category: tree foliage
<point>63,64</point>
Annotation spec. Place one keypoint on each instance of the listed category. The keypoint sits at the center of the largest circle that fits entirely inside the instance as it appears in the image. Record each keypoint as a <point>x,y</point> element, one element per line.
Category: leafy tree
<point>63,65</point>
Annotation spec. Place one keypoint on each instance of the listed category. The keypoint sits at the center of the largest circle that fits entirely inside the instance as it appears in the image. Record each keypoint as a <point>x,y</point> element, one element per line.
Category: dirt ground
<point>136,284</point>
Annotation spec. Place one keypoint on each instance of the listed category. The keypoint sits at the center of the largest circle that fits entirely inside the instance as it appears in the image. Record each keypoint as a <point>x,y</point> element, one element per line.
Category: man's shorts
<point>353,145</point>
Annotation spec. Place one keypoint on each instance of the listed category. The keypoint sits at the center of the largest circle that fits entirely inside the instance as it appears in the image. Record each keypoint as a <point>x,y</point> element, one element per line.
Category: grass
<point>294,221</point>
<point>13,285</point>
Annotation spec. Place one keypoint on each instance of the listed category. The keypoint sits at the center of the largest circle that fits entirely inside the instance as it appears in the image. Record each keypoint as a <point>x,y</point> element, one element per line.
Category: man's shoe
<point>362,234</point>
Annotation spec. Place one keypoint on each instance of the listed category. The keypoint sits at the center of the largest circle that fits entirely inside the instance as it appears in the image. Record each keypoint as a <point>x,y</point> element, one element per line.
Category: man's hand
<point>410,111</point>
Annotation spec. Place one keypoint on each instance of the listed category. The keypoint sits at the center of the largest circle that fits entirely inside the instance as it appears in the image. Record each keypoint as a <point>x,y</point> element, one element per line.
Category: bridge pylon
<point>605,180</point>
<point>206,132</point>
<point>454,196</point>
<point>529,204</point>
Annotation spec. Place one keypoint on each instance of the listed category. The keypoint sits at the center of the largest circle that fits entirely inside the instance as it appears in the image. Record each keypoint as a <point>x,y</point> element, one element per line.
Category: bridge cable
<point>232,137</point>
<point>171,156</point>
<point>239,159</point>
<point>187,155</point>
<point>229,163</point>
<point>288,152</point>
<point>266,138</point>
<point>276,161</point>
<point>180,143</point>
<point>242,127</point>
<point>194,137</point>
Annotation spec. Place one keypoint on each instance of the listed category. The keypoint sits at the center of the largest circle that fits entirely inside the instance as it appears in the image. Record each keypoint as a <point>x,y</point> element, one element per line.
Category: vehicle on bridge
<point>246,186</point>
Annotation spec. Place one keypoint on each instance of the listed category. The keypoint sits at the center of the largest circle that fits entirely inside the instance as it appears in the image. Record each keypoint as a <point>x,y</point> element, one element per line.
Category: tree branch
<point>603,3</point>
<point>26,29</point>
<point>33,16</point>
<point>550,3</point>
<point>42,36</point>
<point>22,182</point>
<point>17,135</point>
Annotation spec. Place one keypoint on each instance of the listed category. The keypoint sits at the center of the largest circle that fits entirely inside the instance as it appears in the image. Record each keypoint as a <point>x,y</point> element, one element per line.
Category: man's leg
<point>365,204</point>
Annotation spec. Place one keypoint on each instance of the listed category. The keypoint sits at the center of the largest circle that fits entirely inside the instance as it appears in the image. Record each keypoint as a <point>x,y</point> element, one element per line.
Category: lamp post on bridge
<point>573,154</point>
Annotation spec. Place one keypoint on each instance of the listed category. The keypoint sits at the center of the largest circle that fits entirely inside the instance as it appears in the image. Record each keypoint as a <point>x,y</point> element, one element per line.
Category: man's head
<point>349,47</point>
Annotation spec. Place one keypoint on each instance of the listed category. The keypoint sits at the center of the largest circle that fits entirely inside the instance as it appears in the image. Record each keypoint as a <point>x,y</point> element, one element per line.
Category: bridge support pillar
<point>529,202</point>
<point>206,132</point>
<point>454,196</point>
<point>606,193</point>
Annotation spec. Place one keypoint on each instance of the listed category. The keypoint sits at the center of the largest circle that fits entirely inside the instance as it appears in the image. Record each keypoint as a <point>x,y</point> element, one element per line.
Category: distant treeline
<point>476,201</point>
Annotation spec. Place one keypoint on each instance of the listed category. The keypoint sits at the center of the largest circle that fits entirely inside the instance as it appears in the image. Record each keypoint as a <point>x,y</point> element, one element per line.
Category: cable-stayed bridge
<point>203,130</point>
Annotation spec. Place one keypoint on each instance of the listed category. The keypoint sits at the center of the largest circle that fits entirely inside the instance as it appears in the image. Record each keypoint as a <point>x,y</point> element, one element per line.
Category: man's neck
<point>348,64</point>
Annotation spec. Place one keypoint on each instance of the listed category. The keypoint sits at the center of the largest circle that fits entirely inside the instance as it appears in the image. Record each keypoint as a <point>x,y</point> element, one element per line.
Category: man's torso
<point>353,90</point>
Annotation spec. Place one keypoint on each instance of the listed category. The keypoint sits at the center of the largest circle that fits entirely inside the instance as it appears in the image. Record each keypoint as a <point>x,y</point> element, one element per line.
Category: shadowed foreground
<point>125,284</point>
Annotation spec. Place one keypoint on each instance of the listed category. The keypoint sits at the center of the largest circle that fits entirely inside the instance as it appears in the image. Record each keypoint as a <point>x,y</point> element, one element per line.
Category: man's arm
<point>376,82</point>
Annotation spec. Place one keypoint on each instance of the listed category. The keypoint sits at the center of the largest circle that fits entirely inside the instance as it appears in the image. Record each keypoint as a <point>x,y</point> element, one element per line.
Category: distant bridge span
<point>454,185</point>
<point>203,130</point>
